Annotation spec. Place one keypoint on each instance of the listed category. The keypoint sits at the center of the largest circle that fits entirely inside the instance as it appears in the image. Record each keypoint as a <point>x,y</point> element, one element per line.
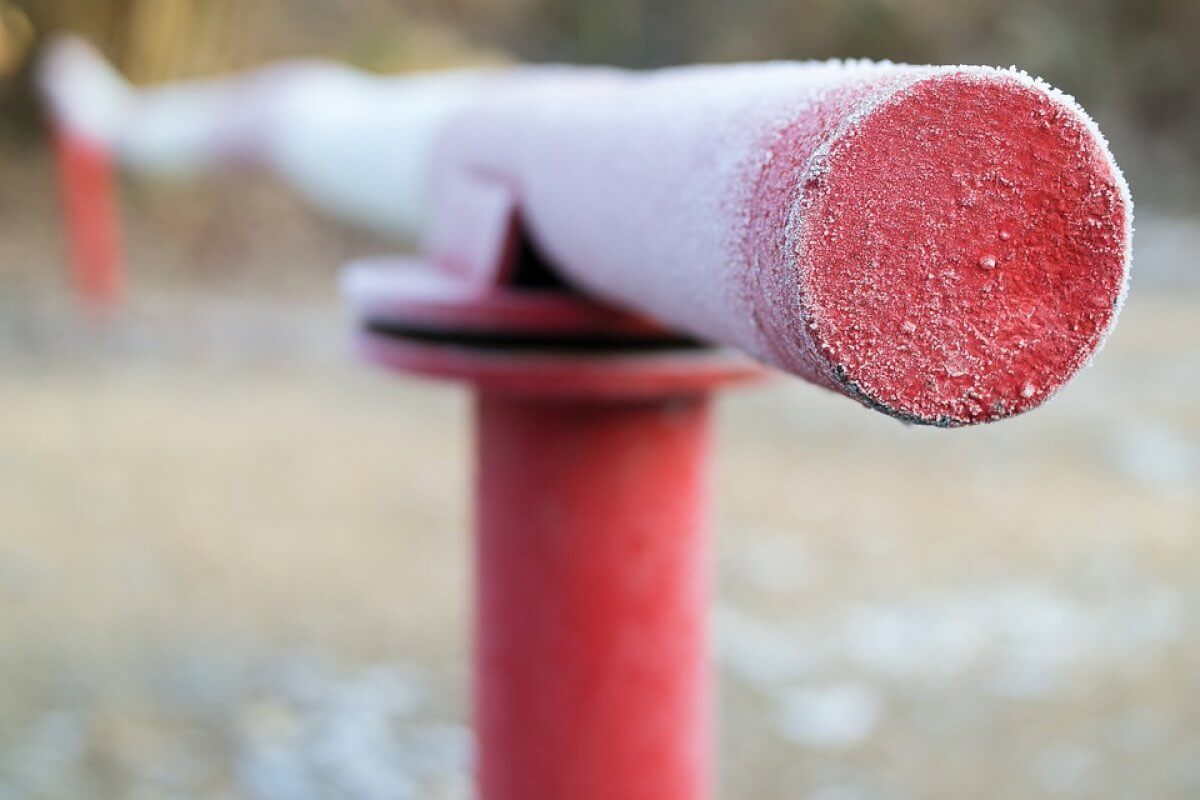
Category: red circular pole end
<point>958,249</point>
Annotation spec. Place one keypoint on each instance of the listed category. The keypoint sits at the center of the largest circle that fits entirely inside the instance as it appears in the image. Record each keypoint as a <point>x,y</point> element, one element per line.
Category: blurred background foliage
<point>1135,64</point>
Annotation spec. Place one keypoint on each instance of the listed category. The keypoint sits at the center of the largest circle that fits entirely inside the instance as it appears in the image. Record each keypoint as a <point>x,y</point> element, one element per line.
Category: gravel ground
<point>233,561</point>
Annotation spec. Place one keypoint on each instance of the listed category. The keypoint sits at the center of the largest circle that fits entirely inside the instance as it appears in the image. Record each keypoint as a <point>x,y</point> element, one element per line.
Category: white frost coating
<point>355,145</point>
<point>83,91</point>
<point>363,151</point>
<point>636,185</point>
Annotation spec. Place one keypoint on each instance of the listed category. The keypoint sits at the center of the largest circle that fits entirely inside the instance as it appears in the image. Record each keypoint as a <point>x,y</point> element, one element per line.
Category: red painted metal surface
<point>592,676</point>
<point>963,253</point>
<point>562,375</point>
<point>592,672</point>
<point>86,178</point>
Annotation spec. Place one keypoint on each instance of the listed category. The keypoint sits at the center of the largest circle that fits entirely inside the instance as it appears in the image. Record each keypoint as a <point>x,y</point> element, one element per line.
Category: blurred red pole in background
<point>88,186</point>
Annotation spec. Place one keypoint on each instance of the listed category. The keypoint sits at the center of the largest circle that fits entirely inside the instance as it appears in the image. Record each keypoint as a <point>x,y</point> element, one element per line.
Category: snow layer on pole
<point>948,245</point>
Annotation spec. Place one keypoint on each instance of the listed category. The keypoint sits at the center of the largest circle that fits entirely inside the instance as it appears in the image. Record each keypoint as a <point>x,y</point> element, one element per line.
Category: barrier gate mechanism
<point>591,668</point>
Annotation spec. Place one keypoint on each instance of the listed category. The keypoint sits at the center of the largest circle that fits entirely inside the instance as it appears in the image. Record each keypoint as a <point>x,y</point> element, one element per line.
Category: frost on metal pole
<point>947,245</point>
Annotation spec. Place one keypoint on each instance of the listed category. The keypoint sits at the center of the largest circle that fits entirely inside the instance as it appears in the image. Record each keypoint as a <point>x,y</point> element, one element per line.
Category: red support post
<point>87,181</point>
<point>592,671</point>
<point>592,675</point>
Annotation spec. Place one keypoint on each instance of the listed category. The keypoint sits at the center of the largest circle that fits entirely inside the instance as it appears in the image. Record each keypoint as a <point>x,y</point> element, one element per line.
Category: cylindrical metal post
<point>88,183</point>
<point>592,675</point>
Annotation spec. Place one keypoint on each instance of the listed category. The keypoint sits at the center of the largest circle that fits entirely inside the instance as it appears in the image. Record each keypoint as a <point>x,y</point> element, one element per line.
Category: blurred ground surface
<point>233,561</point>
